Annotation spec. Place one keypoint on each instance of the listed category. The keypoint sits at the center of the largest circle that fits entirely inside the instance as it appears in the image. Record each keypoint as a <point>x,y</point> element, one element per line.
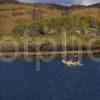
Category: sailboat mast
<point>64,46</point>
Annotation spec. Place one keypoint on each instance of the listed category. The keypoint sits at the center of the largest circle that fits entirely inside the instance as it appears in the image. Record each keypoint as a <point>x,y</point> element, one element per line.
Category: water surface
<point>19,80</point>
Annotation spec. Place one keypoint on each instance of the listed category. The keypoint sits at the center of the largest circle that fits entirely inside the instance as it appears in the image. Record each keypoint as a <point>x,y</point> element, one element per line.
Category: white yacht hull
<point>70,63</point>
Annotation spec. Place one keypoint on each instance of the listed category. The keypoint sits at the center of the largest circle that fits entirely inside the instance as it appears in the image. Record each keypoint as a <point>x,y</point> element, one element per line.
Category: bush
<point>54,25</point>
<point>20,28</point>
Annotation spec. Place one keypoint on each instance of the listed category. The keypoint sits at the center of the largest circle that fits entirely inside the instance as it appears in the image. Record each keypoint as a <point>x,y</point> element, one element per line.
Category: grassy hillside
<point>10,14</point>
<point>15,18</point>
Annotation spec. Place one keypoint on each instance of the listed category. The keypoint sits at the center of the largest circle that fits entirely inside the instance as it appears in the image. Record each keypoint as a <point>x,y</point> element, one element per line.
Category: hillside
<point>9,1</point>
<point>95,5</point>
<point>10,13</point>
<point>14,17</point>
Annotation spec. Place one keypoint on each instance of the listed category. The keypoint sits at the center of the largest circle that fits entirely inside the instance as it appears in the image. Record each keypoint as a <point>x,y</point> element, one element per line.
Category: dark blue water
<point>20,81</point>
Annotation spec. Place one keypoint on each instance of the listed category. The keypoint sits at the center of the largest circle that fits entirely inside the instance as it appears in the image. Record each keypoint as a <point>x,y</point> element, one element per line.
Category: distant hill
<point>58,6</point>
<point>51,5</point>
<point>83,6</point>
<point>61,7</point>
<point>77,6</point>
<point>9,1</point>
<point>95,5</point>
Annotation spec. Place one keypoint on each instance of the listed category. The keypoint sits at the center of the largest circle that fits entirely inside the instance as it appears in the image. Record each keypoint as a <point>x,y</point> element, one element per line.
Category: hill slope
<point>13,14</point>
<point>9,1</point>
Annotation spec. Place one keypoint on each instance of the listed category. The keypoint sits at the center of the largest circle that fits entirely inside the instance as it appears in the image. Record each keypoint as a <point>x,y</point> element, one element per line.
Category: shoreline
<point>44,53</point>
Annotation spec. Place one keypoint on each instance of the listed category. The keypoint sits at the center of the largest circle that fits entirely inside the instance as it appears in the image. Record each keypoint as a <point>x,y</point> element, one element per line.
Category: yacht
<point>72,63</point>
<point>73,60</point>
